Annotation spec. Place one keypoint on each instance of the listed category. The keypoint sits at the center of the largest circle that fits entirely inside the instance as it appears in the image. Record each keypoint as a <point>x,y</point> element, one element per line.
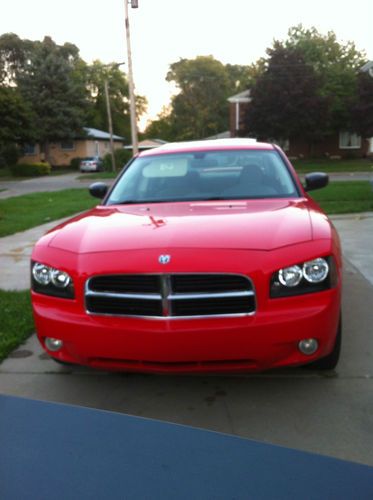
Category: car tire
<point>330,361</point>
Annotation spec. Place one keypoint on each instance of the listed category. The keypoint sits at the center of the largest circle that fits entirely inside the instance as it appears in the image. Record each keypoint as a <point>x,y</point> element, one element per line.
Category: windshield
<point>209,175</point>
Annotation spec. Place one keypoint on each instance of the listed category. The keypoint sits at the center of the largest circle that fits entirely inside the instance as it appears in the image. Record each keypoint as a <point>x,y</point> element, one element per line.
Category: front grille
<point>170,295</point>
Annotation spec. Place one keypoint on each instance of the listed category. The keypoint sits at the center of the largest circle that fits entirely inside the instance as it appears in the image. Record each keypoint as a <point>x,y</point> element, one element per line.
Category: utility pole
<point>113,165</point>
<point>109,117</point>
<point>131,87</point>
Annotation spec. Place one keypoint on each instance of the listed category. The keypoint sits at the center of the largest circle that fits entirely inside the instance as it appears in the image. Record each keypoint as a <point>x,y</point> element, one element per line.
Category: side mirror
<point>316,180</point>
<point>98,189</point>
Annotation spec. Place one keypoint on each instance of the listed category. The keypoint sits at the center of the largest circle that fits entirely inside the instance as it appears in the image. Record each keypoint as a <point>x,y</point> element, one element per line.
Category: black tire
<point>330,361</point>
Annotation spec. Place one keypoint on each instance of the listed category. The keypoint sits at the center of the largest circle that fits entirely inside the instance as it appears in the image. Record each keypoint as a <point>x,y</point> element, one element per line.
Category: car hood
<point>255,225</point>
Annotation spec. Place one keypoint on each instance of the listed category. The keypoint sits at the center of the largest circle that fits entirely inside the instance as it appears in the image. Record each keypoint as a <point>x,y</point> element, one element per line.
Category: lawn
<point>99,175</point>
<point>329,166</point>
<point>27,211</point>
<point>16,320</point>
<point>24,212</point>
<point>345,197</point>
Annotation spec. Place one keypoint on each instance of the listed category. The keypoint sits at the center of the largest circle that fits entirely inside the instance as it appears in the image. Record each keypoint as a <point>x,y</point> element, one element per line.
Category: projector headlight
<point>51,281</point>
<point>307,277</point>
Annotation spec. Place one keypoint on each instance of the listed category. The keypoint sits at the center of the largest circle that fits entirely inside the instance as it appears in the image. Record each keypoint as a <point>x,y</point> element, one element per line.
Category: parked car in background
<point>91,164</point>
<point>207,256</point>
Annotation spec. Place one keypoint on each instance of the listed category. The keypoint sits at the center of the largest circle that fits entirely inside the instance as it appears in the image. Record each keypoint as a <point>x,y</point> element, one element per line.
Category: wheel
<point>330,361</point>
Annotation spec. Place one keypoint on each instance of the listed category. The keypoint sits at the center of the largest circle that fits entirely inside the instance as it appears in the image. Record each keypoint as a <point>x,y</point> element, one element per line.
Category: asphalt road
<point>45,183</point>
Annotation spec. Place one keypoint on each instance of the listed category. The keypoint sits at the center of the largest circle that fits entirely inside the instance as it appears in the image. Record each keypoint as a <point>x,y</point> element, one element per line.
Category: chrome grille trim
<point>167,297</point>
<point>118,295</point>
<point>186,296</point>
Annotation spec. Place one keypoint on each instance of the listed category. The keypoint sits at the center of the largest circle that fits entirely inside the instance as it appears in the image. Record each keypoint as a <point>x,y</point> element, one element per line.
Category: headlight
<point>315,271</point>
<point>290,276</point>
<point>41,274</point>
<point>306,277</point>
<point>51,281</point>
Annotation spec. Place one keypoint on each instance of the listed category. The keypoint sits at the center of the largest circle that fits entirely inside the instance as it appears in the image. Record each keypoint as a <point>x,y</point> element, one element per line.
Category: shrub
<point>9,154</point>
<point>122,156</point>
<point>75,162</point>
<point>31,169</point>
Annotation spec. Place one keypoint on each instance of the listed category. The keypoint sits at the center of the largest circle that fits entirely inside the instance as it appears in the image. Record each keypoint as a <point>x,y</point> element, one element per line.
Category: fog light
<point>308,346</point>
<point>53,344</point>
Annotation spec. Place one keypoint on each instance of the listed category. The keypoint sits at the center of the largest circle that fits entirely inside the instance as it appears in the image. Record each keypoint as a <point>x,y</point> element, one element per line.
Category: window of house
<point>348,140</point>
<point>29,149</point>
<point>67,145</point>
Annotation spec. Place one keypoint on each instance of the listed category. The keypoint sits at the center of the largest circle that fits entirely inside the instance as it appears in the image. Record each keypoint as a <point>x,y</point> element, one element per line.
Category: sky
<point>163,31</point>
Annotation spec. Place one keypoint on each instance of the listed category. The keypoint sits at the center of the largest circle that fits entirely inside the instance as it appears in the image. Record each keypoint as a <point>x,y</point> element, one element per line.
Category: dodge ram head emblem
<point>164,259</point>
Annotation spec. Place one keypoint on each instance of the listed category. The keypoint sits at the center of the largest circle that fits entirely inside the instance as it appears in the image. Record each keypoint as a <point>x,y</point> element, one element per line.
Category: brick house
<point>94,143</point>
<point>344,144</point>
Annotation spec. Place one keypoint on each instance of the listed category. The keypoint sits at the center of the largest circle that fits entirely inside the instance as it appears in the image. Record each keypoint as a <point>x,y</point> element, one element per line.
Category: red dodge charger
<point>205,256</point>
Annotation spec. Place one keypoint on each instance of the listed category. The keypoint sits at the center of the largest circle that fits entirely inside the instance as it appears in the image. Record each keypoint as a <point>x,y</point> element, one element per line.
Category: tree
<point>200,108</point>
<point>14,54</point>
<point>49,83</point>
<point>310,79</point>
<point>16,124</point>
<point>96,74</point>
<point>337,64</point>
<point>286,102</point>
<point>243,77</point>
<point>162,126</point>
<point>362,111</point>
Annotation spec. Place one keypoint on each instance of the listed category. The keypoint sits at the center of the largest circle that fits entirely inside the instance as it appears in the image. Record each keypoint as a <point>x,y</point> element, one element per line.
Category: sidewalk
<point>15,253</point>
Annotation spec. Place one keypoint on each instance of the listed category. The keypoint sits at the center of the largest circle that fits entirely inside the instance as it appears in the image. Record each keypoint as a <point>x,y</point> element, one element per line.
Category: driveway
<point>329,413</point>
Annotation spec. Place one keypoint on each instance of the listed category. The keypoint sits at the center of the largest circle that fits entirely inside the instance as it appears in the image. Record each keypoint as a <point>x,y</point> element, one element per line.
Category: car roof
<point>208,145</point>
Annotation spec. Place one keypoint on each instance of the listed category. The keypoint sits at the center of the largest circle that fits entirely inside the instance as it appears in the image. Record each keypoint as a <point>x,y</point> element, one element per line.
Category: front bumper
<point>267,339</point>
<point>263,341</point>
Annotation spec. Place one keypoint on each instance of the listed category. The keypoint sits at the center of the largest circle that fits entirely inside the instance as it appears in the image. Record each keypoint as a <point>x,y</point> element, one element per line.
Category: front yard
<point>24,212</point>
<point>16,320</point>
<point>333,166</point>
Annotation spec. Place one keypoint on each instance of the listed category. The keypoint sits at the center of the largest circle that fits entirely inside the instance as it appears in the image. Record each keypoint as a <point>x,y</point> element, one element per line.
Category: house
<point>94,143</point>
<point>148,144</point>
<point>341,145</point>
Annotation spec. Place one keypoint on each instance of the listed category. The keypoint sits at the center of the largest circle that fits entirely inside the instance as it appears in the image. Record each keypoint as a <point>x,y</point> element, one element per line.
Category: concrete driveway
<point>329,413</point>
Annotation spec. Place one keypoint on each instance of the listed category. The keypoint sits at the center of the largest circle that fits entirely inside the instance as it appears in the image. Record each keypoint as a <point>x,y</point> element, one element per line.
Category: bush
<point>9,154</point>
<point>122,156</point>
<point>30,169</point>
<point>75,162</point>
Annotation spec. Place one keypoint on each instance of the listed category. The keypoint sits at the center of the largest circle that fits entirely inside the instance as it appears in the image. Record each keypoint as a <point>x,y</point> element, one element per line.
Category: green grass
<point>345,197</point>
<point>99,175</point>
<point>16,320</point>
<point>329,166</point>
<point>6,174</point>
<point>24,212</point>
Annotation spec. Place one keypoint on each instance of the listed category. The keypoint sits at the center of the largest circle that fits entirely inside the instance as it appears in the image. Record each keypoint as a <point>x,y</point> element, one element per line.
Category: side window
<point>348,140</point>
<point>29,149</point>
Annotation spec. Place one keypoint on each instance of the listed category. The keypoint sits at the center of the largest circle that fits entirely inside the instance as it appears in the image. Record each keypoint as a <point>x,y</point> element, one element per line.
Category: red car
<point>205,256</point>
